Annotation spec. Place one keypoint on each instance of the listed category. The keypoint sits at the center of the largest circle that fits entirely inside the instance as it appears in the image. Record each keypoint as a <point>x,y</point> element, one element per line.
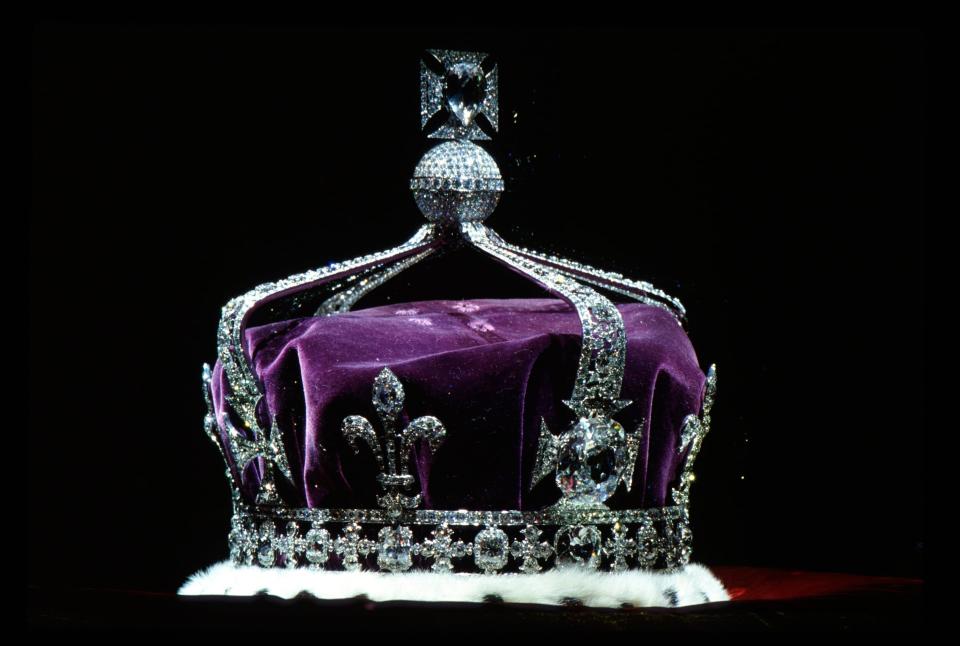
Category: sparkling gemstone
<point>318,546</point>
<point>266,556</point>
<point>387,393</point>
<point>490,549</point>
<point>591,459</point>
<point>647,549</point>
<point>464,90</point>
<point>394,549</point>
<point>578,544</point>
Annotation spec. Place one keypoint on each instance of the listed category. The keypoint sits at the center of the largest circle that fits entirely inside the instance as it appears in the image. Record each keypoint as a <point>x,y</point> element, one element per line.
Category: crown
<point>518,437</point>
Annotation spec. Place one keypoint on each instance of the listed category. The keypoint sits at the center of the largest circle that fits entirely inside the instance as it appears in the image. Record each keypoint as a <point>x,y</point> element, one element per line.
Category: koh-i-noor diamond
<point>590,459</point>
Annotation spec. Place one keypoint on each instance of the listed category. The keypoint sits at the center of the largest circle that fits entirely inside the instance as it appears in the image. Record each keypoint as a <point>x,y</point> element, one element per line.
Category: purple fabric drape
<point>489,370</point>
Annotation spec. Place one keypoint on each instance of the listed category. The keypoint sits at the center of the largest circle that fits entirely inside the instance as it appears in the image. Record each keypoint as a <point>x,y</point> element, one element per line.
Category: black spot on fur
<point>672,597</point>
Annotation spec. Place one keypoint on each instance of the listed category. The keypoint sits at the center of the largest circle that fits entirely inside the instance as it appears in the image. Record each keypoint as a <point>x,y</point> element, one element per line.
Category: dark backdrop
<point>771,180</point>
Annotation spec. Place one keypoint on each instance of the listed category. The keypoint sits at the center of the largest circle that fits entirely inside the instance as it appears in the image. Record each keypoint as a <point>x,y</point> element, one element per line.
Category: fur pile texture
<point>692,585</point>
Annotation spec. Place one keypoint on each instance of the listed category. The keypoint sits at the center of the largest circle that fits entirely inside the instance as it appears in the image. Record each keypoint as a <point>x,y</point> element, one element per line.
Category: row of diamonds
<point>617,547</point>
<point>344,299</point>
<point>463,517</point>
<point>456,183</point>
<point>615,282</point>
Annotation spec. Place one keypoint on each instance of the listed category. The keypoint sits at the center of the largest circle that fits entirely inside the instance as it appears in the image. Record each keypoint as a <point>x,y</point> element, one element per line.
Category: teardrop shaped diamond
<point>464,90</point>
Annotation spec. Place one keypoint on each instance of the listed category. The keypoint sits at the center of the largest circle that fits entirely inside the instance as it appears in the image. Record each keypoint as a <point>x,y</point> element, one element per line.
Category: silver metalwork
<point>531,550</point>
<point>351,546</point>
<point>648,544</point>
<point>694,429</point>
<point>578,545</point>
<point>465,91</point>
<point>619,547</point>
<point>442,547</point>
<point>317,546</point>
<point>395,548</point>
<point>491,549</point>
<point>393,446</point>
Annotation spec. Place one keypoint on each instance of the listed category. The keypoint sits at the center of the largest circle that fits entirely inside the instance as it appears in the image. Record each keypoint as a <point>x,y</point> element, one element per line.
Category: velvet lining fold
<point>489,370</point>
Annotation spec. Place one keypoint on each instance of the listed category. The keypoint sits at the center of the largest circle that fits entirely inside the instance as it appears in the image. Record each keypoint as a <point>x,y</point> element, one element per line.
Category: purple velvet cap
<point>489,370</point>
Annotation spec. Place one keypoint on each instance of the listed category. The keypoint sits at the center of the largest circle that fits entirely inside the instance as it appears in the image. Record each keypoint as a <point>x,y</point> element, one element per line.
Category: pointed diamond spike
<point>277,454</point>
<point>546,454</point>
<point>711,389</point>
<point>491,108</point>
<point>689,431</point>
<point>633,450</point>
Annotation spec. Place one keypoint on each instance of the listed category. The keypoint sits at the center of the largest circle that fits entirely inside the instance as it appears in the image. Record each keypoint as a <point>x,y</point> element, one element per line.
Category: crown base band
<point>461,541</point>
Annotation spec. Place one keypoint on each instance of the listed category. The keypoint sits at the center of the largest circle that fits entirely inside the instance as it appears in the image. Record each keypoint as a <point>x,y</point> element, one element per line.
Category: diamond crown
<point>456,185</point>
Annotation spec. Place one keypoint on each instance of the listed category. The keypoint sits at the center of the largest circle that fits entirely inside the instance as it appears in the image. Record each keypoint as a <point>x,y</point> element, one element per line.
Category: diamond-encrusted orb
<point>590,460</point>
<point>578,545</point>
<point>464,89</point>
<point>394,546</point>
<point>490,549</point>
<point>457,181</point>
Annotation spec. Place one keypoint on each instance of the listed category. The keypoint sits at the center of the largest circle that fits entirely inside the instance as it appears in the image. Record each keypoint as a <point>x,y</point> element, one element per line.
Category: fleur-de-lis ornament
<point>393,446</point>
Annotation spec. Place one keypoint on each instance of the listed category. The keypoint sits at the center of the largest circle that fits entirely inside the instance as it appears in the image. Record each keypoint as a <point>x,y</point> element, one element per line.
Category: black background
<point>771,180</point>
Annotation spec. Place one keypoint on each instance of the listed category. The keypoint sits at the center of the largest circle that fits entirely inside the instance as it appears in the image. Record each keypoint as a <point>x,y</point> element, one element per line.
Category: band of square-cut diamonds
<point>460,540</point>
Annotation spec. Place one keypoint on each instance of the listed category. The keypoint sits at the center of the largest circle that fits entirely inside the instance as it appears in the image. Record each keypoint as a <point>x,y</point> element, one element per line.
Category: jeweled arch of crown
<point>456,185</point>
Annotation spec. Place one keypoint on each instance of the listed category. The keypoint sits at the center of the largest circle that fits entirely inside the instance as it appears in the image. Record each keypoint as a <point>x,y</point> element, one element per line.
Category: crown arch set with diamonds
<point>456,185</point>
